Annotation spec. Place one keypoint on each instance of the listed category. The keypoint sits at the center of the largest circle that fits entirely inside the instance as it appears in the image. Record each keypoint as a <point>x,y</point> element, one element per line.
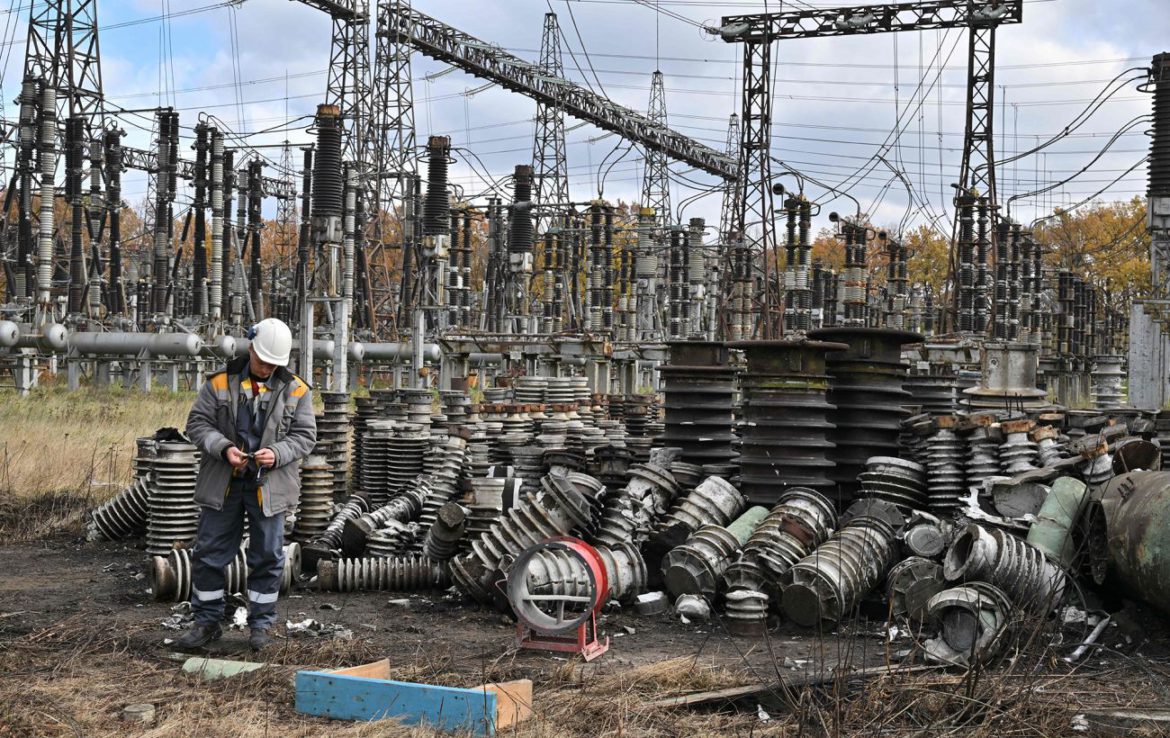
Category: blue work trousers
<point>218,541</point>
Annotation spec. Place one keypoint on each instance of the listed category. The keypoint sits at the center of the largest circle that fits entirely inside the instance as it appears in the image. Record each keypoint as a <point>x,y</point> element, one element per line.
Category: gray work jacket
<point>290,431</point>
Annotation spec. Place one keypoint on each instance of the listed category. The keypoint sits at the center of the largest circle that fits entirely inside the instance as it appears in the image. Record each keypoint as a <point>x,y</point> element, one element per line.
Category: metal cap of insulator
<point>972,622</point>
<point>1008,378</point>
<point>1018,568</point>
<point>894,480</point>
<point>544,608</point>
<point>396,574</point>
<point>699,390</point>
<point>910,585</point>
<point>443,536</point>
<point>174,515</point>
<point>713,502</point>
<point>121,516</point>
<point>625,569</point>
<point>828,583</point>
<point>403,508</point>
<point>785,418</point>
<point>865,387</point>
<point>436,219</point>
<point>315,508</point>
<point>746,613</point>
<point>926,536</point>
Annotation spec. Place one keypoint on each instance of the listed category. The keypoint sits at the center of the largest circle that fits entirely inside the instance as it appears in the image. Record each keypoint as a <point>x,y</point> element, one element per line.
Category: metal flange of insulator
<point>973,621</point>
<point>927,536</point>
<point>121,516</point>
<point>715,501</point>
<point>1021,570</point>
<point>910,585</point>
<point>746,613</point>
<point>697,566</point>
<point>398,574</point>
<point>442,538</point>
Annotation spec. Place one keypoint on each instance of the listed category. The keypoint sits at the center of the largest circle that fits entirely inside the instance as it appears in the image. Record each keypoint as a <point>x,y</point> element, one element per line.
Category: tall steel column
<point>656,176</point>
<point>550,167</point>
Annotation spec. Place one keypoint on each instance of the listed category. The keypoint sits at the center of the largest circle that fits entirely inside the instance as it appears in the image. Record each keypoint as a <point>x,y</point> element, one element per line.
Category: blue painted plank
<point>360,698</point>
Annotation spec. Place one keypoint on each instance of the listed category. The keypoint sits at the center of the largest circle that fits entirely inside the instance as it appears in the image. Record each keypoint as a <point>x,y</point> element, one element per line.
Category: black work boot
<point>198,636</point>
<point>259,639</point>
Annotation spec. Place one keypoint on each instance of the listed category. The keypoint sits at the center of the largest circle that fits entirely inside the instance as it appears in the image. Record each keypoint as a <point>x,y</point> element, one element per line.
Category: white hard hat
<point>272,341</point>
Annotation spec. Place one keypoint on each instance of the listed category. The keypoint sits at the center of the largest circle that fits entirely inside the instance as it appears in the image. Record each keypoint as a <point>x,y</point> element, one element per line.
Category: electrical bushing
<point>521,234</point>
<point>328,187</point>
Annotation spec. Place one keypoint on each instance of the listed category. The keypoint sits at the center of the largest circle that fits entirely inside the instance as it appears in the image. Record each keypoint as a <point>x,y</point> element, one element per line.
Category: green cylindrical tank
<point>1137,511</point>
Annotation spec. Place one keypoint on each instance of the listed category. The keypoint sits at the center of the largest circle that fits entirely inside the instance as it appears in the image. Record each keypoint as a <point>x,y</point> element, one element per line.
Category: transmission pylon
<point>656,178</point>
<point>551,183</point>
<point>731,187</point>
<point>62,50</point>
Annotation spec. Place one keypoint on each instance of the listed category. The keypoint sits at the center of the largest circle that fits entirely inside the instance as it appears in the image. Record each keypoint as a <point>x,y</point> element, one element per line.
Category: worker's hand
<point>265,457</point>
<point>236,458</point>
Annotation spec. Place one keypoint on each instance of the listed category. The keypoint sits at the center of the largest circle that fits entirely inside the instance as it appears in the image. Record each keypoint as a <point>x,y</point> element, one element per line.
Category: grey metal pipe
<point>220,347</point>
<point>130,344</point>
<point>9,333</point>
<point>52,337</point>
<point>357,351</point>
<point>481,357</point>
<point>398,351</point>
<point>322,349</point>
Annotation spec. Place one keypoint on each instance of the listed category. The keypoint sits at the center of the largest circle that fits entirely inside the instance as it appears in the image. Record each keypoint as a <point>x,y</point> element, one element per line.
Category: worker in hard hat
<point>253,423</point>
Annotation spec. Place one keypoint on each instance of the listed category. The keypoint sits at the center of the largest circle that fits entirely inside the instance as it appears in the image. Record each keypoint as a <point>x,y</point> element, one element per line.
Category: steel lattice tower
<point>63,50</point>
<point>731,187</point>
<point>551,169</point>
<point>348,86</point>
<point>656,178</point>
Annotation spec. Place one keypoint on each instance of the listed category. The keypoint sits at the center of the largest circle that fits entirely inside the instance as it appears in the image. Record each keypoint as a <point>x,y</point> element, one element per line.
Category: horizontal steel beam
<point>867,19</point>
<point>144,161</point>
<point>440,41</point>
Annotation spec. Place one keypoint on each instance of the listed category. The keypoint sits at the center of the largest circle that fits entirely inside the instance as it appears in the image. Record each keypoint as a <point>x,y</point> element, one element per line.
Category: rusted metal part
<point>828,583</point>
<point>785,425</point>
<point>699,390</point>
<point>866,390</point>
<point>1048,445</point>
<point>1021,570</point>
<point>1137,513</point>
<point>397,574</point>
<point>973,621</point>
<point>1136,454</point>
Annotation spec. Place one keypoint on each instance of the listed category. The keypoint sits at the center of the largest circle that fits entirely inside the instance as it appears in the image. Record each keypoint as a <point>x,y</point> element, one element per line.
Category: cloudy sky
<point>258,67</point>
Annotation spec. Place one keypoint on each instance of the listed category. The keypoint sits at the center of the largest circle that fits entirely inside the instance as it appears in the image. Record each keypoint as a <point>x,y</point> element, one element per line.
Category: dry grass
<point>78,442</point>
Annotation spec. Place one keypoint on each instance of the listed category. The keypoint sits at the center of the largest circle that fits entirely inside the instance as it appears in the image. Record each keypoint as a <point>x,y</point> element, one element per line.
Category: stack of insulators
<point>1048,446</point>
<point>174,516</point>
<point>1107,377</point>
<point>865,387</point>
<point>583,396</point>
<point>638,409</point>
<point>615,432</point>
<point>611,464</point>
<point>443,481</point>
<point>699,387</point>
<point>479,450</point>
<point>457,408</point>
<point>945,475</point>
<point>897,481</point>
<point>559,391</point>
<point>785,425</point>
<point>366,410</point>
<point>616,407</point>
<point>528,466</point>
<point>392,456</point>
<point>315,509</point>
<point>530,390</point>
<point>494,395</point>
<point>333,437</point>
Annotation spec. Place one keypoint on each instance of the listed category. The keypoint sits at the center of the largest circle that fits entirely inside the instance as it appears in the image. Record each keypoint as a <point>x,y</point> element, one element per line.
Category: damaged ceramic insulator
<point>170,575</point>
<point>566,502</point>
<point>393,539</point>
<point>802,520</point>
<point>983,441</point>
<point>1048,445</point>
<point>910,585</point>
<point>1097,469</point>
<point>443,479</point>
<point>1019,569</point>
<point>328,544</point>
<point>746,613</point>
<point>1018,452</point>
<point>626,570</point>
<point>972,622</point>
<point>396,574</point>
<point>945,475</point>
<point>714,502</point>
<point>697,566</point>
<point>629,513</point>
<point>828,583</point>
<point>316,502</point>
<point>894,480</point>
<point>121,516</point>
<point>403,508</point>
<point>442,538</point>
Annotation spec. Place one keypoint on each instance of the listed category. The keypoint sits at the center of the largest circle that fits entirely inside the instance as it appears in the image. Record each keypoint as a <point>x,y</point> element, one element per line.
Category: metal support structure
<point>656,175</point>
<point>550,167</point>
